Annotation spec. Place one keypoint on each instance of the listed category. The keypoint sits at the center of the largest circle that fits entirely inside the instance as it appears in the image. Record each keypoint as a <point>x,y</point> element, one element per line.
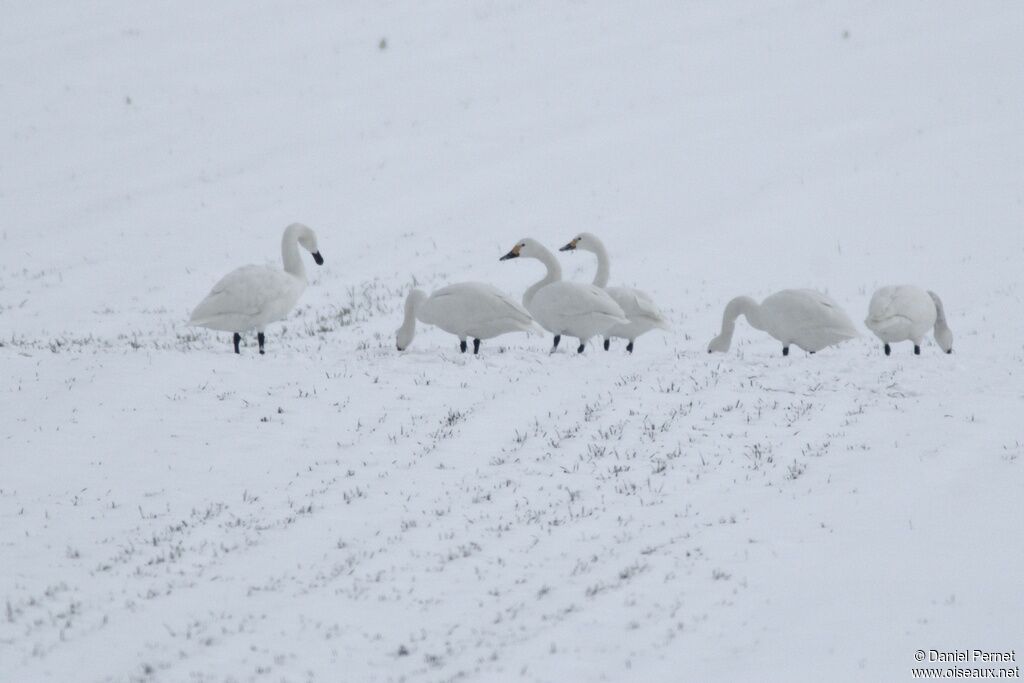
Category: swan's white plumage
<point>641,311</point>
<point>899,313</point>
<point>566,308</point>
<point>800,317</point>
<point>248,298</point>
<point>575,309</point>
<point>468,310</point>
<point>251,297</point>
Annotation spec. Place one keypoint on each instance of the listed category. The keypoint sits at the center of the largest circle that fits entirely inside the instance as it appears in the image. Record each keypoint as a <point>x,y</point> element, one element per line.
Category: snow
<point>336,510</point>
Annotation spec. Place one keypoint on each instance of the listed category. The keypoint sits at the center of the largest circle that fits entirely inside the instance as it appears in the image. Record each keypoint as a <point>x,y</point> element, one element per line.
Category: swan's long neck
<point>554,274</point>
<point>290,254</point>
<point>412,306</point>
<point>741,305</point>
<point>603,264</point>
<point>943,335</point>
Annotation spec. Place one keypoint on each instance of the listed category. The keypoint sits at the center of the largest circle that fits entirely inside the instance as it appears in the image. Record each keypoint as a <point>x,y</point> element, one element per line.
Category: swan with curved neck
<point>468,310</point>
<point>906,313</point>
<point>571,308</point>
<point>800,317</point>
<point>640,309</point>
<point>251,297</point>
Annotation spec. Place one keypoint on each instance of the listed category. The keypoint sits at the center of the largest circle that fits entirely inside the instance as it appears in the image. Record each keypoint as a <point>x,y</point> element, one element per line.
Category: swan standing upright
<point>804,317</point>
<point>466,309</point>
<point>642,312</point>
<point>251,297</point>
<point>905,312</point>
<point>573,308</point>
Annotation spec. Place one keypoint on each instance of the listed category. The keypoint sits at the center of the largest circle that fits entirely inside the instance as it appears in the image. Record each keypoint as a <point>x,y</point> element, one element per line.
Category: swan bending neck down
<point>906,313</point>
<point>643,314</point>
<point>251,297</point>
<point>572,308</point>
<point>741,305</point>
<point>466,309</point>
<point>804,317</point>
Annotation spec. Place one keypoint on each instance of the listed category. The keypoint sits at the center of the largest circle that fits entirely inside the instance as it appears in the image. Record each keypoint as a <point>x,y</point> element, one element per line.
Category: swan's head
<point>944,338</point>
<point>307,238</point>
<point>527,248</point>
<point>720,344</point>
<point>585,241</point>
<point>404,334</point>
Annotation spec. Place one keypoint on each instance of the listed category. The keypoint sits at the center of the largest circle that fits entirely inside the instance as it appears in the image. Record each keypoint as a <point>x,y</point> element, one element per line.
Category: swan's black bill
<point>511,254</point>
<point>569,247</point>
<point>318,258</point>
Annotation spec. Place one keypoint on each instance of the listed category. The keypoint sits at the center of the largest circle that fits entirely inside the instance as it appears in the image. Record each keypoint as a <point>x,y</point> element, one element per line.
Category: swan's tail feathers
<point>662,324</point>
<point>943,335</point>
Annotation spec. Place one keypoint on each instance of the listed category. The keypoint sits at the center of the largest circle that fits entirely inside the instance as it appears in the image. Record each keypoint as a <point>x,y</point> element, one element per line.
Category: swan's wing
<point>636,304</point>
<point>245,292</point>
<point>573,299</point>
<point>884,304</point>
<point>473,303</point>
<point>805,312</point>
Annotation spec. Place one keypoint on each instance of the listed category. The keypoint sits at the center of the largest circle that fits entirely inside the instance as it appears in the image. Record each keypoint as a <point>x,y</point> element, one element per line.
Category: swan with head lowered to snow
<point>642,312</point>
<point>468,310</point>
<point>802,317</point>
<point>251,297</point>
<point>572,308</point>
<point>905,312</point>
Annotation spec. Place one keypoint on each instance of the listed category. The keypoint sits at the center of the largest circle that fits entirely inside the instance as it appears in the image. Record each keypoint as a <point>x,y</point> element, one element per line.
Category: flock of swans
<point>251,297</point>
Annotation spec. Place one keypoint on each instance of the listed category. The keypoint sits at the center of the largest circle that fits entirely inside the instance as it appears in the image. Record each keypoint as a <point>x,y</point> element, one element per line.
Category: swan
<point>803,317</point>
<point>466,309</point>
<point>251,297</point>
<point>642,312</point>
<point>572,308</point>
<point>901,312</point>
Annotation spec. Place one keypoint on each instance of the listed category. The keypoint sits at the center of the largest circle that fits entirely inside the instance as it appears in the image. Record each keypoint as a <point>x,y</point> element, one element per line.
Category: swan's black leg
<point>785,350</point>
<point>888,349</point>
<point>462,345</point>
<point>476,346</point>
<point>558,338</point>
<point>917,350</point>
<point>237,339</point>
<point>262,340</point>
<point>607,343</point>
<point>580,349</point>
<point>629,347</point>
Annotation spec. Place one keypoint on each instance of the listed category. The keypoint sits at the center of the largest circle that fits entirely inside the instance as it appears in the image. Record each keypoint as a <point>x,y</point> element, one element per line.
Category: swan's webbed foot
<point>581,347</point>
<point>476,346</point>
<point>237,339</point>
<point>888,349</point>
<point>262,340</point>
<point>462,345</point>
<point>917,350</point>
<point>558,338</point>
<point>629,347</point>
<point>607,343</point>
<point>785,350</point>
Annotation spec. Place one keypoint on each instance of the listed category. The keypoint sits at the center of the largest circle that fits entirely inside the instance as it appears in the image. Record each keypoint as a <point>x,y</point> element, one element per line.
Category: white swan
<point>642,312</point>
<point>572,308</point>
<point>251,297</point>
<point>803,317</point>
<point>901,312</point>
<point>466,309</point>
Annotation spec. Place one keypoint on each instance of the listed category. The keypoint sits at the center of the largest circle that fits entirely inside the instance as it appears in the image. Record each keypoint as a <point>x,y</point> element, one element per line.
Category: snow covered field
<point>336,510</point>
